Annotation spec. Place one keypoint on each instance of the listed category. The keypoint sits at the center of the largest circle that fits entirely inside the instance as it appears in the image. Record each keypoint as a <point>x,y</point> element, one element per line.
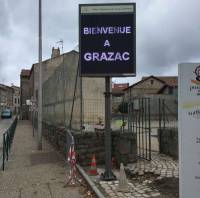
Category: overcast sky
<point>168,33</point>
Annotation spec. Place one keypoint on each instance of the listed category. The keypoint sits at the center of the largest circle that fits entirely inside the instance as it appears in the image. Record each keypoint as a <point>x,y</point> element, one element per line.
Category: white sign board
<point>189,129</point>
<point>28,102</point>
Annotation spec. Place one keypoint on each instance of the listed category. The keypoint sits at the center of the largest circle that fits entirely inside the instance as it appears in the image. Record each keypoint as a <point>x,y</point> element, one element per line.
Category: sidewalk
<point>32,173</point>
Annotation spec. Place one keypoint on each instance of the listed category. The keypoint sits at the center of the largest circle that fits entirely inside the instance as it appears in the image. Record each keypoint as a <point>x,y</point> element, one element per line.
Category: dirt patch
<point>168,187</point>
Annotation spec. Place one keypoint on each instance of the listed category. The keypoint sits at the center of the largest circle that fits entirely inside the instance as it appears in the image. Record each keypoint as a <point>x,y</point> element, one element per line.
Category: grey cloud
<point>4,19</point>
<point>169,38</point>
<point>167,33</point>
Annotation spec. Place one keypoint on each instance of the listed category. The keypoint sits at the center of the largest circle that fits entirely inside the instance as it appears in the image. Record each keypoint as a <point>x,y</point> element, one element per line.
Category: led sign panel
<point>107,39</point>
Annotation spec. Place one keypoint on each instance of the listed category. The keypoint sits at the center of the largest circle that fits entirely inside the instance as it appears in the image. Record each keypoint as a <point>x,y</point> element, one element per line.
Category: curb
<point>90,182</point>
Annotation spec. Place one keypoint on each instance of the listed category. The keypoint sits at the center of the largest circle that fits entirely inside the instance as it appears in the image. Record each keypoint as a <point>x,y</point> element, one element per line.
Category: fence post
<point>3,165</point>
<point>7,144</point>
<point>160,118</point>
<point>163,108</point>
<point>149,111</point>
<point>123,107</point>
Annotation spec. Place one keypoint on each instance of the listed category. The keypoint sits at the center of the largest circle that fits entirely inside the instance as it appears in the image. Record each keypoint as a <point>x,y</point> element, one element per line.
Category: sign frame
<point>132,73</point>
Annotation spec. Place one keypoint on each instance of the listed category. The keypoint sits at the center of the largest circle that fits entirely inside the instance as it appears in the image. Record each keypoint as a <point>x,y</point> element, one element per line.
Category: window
<point>152,81</point>
<point>15,100</point>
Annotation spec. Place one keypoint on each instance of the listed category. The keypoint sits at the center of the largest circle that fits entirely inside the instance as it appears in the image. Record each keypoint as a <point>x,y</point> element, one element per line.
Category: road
<point>4,124</point>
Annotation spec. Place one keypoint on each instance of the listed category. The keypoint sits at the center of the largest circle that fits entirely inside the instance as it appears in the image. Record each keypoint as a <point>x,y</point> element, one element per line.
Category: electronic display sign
<point>107,39</point>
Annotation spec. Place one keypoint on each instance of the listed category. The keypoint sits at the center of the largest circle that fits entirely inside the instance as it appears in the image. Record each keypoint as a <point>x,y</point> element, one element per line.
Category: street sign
<point>189,133</point>
<point>107,40</point>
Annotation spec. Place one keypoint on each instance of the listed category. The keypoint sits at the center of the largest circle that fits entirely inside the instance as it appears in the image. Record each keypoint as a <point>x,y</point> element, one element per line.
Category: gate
<point>139,122</point>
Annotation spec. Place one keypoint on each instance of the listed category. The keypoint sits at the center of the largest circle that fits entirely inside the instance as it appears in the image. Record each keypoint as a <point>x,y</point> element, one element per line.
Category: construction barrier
<point>72,179</point>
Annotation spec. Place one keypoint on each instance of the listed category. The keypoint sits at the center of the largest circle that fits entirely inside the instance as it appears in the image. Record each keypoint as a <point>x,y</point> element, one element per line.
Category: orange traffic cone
<point>93,169</point>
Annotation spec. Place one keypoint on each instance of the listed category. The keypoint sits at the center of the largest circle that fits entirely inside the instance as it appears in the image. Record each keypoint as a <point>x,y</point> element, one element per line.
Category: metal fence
<point>168,117</point>
<point>147,117</point>
<point>8,136</point>
<point>140,123</point>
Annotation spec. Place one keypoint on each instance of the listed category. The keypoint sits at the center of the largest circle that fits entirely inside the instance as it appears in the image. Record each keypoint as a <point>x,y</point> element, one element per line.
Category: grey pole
<point>81,103</point>
<point>40,80</point>
<point>108,174</point>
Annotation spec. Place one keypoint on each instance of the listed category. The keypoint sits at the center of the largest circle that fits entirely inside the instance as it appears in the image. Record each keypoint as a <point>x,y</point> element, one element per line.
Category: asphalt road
<point>4,124</point>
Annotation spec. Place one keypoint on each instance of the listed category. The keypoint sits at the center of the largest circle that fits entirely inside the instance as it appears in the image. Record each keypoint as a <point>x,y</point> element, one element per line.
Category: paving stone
<point>140,173</point>
<point>139,195</point>
<point>127,194</point>
<point>119,194</point>
<point>145,195</point>
<point>102,182</point>
<point>111,194</point>
<point>162,166</point>
<point>141,191</point>
<point>113,188</point>
<point>104,186</point>
<point>155,194</point>
<point>108,191</point>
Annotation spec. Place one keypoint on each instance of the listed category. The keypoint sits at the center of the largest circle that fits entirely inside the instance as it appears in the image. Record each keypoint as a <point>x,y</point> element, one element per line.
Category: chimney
<point>55,52</point>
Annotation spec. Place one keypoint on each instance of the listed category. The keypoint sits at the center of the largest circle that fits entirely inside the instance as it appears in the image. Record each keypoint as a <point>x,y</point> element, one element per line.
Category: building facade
<point>2,98</point>
<point>163,85</point>
<point>62,86</point>
<point>16,99</point>
<point>118,95</point>
<point>10,98</point>
<point>25,93</point>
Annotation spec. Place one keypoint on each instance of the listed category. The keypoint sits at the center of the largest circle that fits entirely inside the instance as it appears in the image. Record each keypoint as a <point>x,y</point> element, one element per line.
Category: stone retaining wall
<point>169,141</point>
<point>89,143</point>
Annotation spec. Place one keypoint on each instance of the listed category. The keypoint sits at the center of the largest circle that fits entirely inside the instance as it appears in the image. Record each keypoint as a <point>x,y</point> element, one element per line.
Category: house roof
<point>5,87</point>
<point>171,81</point>
<point>2,87</point>
<point>25,72</point>
<point>49,59</point>
<point>15,87</point>
<point>120,86</point>
<point>117,89</point>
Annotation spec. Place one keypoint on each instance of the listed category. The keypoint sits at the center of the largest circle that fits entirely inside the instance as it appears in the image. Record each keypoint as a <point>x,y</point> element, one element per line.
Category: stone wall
<point>89,143</point>
<point>169,141</point>
<point>124,147</point>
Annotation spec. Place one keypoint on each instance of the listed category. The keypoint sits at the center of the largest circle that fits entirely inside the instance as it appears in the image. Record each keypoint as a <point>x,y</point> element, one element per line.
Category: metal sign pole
<point>108,174</point>
<point>40,80</point>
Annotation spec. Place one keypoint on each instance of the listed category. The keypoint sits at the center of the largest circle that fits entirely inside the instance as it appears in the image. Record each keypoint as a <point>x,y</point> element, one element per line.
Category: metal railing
<point>168,118</point>
<point>8,136</point>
